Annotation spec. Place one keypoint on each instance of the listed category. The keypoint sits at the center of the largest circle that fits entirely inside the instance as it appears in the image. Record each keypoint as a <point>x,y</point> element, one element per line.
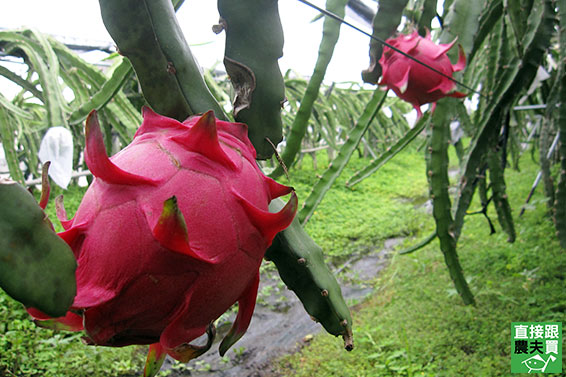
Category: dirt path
<point>280,322</point>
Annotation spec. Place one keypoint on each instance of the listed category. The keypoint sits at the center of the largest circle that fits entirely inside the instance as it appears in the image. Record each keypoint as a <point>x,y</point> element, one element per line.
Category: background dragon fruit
<point>413,82</point>
<point>170,234</point>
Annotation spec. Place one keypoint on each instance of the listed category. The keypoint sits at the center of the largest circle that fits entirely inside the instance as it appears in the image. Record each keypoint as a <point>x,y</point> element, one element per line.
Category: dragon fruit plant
<point>169,235</point>
<point>413,82</point>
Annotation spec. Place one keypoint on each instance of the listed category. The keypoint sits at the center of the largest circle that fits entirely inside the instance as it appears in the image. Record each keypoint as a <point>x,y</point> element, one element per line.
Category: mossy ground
<point>415,323</point>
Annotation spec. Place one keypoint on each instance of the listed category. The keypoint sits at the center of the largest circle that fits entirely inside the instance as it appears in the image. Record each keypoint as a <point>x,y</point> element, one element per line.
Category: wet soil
<point>280,325</point>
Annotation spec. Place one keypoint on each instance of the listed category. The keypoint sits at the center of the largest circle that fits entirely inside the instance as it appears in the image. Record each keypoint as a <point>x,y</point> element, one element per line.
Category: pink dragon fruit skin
<point>414,82</point>
<point>170,234</point>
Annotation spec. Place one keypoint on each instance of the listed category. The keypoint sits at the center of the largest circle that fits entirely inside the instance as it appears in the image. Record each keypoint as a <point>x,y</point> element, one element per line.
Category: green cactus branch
<point>419,245</point>
<point>7,133</point>
<point>21,82</point>
<point>545,143</point>
<point>500,200</point>
<point>516,76</point>
<point>37,267</point>
<point>437,172</point>
<point>36,108</point>
<point>461,22</point>
<point>36,50</point>
<point>330,35</point>
<point>385,24</point>
<point>426,14</point>
<point>488,19</point>
<point>560,121</point>
<point>254,44</point>
<point>128,118</point>
<point>108,91</point>
<point>336,167</point>
<point>300,263</point>
<point>560,202</point>
<point>168,73</point>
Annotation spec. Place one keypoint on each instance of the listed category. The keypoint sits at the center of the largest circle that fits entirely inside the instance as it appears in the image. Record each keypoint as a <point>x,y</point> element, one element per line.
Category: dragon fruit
<point>170,234</point>
<point>414,82</point>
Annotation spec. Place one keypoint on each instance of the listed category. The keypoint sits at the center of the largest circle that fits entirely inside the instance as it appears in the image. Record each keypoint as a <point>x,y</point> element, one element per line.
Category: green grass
<point>357,220</point>
<point>416,325</point>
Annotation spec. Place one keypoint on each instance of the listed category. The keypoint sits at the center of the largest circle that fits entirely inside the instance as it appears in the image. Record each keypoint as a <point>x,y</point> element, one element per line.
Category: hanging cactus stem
<point>385,23</point>
<point>437,169</point>
<point>330,35</point>
<point>169,75</point>
<point>254,44</point>
<point>499,196</point>
<point>37,268</point>
<point>300,264</point>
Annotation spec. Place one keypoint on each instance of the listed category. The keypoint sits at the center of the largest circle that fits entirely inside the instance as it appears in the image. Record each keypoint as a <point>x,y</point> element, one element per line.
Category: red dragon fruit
<point>414,82</point>
<point>170,234</point>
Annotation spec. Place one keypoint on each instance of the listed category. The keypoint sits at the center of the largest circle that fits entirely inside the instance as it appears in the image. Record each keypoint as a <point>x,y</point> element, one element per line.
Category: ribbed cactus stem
<point>437,171</point>
<point>37,268</point>
<point>254,44</point>
<point>499,195</point>
<point>301,266</point>
<point>330,35</point>
<point>169,75</point>
<point>560,203</point>
<point>385,23</point>
<point>560,87</point>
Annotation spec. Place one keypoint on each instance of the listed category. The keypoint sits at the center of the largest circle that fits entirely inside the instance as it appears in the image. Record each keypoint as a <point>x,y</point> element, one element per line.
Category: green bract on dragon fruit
<point>413,82</point>
<point>170,234</point>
